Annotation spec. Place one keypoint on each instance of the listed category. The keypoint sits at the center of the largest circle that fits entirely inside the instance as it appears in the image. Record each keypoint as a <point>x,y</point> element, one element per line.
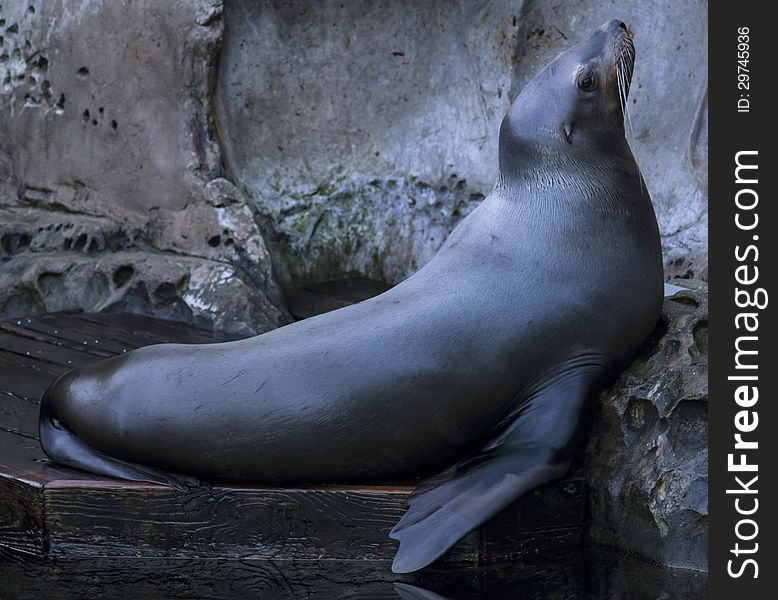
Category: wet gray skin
<point>488,358</point>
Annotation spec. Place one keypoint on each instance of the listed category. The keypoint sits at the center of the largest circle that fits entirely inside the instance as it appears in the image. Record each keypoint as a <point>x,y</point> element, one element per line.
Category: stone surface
<point>349,167</point>
<point>204,292</point>
<point>351,163</point>
<point>363,165</point>
<point>647,461</point>
<point>114,149</point>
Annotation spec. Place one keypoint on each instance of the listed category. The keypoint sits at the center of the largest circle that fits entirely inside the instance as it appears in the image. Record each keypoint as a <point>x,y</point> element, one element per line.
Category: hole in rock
<point>122,275</point>
<point>165,292</point>
<point>700,333</point>
<point>80,242</point>
<point>50,283</point>
<point>14,242</point>
<point>685,300</point>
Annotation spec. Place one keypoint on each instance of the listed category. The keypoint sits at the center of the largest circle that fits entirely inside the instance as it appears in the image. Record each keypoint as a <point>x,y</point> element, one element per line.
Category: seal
<point>489,358</point>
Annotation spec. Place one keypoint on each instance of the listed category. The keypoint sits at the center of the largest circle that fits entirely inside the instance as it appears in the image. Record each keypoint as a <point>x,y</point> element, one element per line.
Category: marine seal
<point>491,355</point>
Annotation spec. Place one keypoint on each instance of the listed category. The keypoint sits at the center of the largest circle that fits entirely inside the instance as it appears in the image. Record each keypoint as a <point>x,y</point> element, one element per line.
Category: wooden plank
<point>109,334</point>
<point>268,523</point>
<point>73,333</point>
<point>52,339</point>
<point>149,328</point>
<point>37,351</point>
<point>22,523</point>
<point>12,361</point>
<point>307,523</point>
<point>23,459</point>
<point>18,415</point>
<point>547,520</point>
<point>22,528</point>
<point>123,336</point>
<point>24,381</point>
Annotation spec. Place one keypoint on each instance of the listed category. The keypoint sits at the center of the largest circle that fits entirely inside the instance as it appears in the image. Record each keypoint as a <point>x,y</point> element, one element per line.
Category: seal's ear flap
<point>535,448</point>
<point>567,132</point>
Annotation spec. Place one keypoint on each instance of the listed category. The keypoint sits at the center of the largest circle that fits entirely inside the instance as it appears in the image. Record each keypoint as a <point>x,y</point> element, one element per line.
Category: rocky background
<point>193,159</point>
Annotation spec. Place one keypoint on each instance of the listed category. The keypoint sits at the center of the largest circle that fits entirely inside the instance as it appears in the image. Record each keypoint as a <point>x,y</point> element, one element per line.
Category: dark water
<point>590,574</point>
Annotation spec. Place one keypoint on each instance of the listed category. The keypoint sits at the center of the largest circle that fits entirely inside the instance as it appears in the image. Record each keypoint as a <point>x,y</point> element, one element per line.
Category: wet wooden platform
<point>52,511</point>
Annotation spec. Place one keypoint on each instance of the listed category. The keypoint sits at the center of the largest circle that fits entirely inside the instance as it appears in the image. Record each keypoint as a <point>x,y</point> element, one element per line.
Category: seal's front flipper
<point>64,447</point>
<point>535,448</point>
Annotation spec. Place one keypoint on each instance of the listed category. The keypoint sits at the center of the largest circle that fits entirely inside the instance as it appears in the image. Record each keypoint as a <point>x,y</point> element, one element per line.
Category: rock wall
<point>647,460</point>
<point>363,164</point>
<point>356,137</point>
<point>110,188</point>
<point>362,132</point>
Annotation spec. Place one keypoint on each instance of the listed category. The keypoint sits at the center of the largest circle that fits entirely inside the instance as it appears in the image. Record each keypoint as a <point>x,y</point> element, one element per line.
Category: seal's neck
<point>601,175</point>
<point>539,163</point>
<point>526,143</point>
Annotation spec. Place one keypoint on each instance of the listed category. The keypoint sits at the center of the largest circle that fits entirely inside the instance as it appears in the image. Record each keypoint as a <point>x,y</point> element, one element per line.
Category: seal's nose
<point>613,26</point>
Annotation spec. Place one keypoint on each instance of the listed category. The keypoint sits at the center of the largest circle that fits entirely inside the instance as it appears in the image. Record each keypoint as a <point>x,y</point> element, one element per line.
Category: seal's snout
<point>614,26</point>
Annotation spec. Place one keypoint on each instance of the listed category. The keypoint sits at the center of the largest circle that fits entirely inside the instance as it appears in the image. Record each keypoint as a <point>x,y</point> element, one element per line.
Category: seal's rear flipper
<point>64,447</point>
<point>535,448</point>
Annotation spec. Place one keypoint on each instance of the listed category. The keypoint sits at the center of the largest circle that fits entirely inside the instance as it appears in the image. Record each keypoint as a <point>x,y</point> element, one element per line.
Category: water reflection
<point>591,574</point>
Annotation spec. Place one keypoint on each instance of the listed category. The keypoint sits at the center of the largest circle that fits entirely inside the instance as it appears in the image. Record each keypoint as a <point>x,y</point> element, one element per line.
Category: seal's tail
<point>63,446</point>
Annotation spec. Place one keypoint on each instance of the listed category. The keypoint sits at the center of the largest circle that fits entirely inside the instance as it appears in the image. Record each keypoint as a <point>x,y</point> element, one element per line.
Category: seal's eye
<point>587,82</point>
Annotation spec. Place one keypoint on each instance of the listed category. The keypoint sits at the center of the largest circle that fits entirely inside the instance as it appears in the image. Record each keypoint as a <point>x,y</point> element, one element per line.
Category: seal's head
<point>577,99</point>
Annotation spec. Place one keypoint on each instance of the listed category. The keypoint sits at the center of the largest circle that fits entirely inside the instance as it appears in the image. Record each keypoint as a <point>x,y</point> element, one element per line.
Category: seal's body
<point>492,353</point>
